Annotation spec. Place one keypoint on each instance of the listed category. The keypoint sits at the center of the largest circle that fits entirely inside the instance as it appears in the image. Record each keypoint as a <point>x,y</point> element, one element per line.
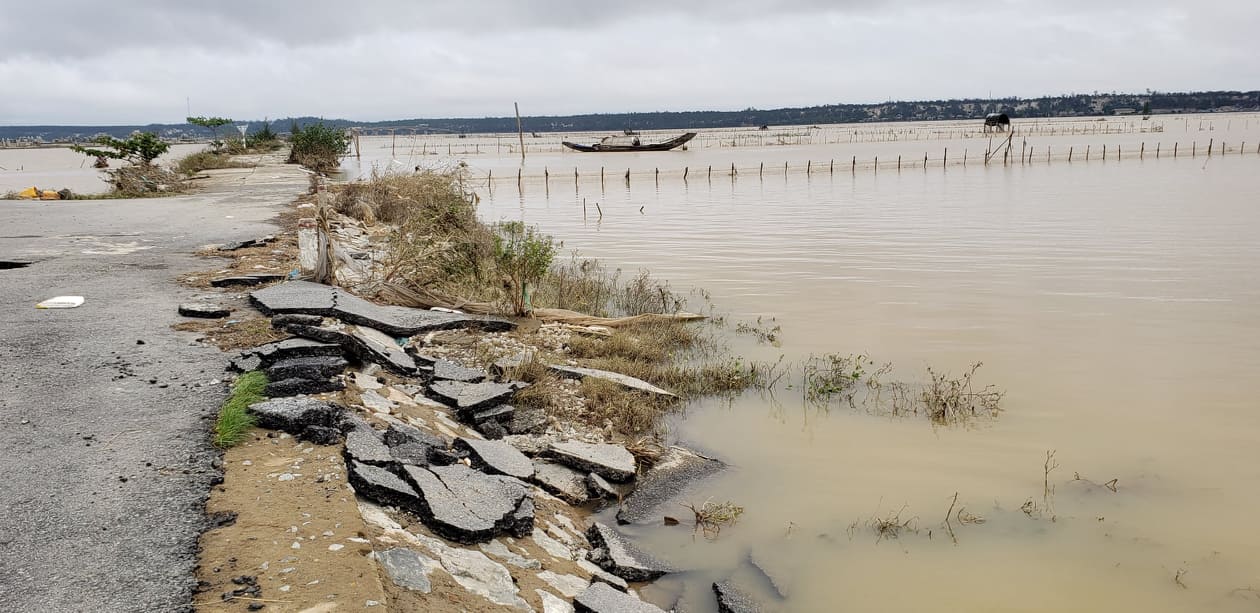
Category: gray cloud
<point>145,60</point>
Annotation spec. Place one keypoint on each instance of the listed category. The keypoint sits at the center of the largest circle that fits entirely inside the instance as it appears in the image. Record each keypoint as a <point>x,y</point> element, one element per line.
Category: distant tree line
<point>1048,106</point>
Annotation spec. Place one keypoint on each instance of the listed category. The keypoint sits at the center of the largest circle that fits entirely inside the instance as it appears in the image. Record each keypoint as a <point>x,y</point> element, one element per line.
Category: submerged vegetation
<point>855,380</point>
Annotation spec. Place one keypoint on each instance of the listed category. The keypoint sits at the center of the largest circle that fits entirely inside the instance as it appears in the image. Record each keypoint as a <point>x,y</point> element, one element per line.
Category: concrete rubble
<point>602,598</point>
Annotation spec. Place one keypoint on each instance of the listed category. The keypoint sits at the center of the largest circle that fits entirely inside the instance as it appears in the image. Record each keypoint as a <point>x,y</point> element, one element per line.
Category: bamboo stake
<point>520,133</point>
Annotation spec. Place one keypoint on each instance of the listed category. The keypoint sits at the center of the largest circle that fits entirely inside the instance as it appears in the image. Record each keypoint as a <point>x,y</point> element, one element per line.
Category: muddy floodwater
<point>58,167</point>
<point>1116,302</point>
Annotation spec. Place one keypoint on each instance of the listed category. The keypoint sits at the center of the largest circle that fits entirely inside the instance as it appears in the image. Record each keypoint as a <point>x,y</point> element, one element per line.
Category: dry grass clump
<point>630,412</point>
<point>952,399</point>
<point>206,160</point>
<point>233,334</point>
<point>711,516</point>
<point>648,342</point>
<point>144,181</point>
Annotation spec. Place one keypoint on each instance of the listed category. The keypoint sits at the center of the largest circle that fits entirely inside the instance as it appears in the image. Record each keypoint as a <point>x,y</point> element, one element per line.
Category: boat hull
<point>672,143</point>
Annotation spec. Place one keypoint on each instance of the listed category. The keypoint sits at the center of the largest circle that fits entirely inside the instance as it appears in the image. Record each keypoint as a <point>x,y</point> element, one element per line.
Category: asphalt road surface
<point>105,411</point>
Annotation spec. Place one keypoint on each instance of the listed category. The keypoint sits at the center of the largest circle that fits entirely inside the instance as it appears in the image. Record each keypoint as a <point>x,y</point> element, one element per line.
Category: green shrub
<point>234,418</point>
<point>140,148</point>
<point>522,255</point>
<point>318,147</point>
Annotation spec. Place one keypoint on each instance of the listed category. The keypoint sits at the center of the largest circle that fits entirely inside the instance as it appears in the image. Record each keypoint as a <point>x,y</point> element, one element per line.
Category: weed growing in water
<point>711,516</point>
<point>951,399</point>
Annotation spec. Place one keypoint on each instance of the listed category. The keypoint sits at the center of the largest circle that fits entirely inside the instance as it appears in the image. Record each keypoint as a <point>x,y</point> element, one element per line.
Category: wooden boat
<point>616,143</point>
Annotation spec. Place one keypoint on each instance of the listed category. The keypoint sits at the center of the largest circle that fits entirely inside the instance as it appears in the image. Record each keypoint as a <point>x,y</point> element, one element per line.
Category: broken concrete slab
<point>315,299</point>
<point>317,367</point>
<point>366,447</point>
<point>469,506</point>
<point>617,555</point>
<point>675,471</point>
<point>497,549</point>
<point>468,398</point>
<point>578,372</point>
<point>496,458</point>
<point>446,370</point>
<point>564,482</point>
<point>569,585</point>
<point>204,310</point>
<point>293,415</point>
<point>552,603</point>
<point>407,569</point>
<point>246,280</point>
<point>609,461</point>
<point>297,386</point>
<point>602,598</point>
<point>382,486</point>
<point>376,402</point>
<point>731,599</point>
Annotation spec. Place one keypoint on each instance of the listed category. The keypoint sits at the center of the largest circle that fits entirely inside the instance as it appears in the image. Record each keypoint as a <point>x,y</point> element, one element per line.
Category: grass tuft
<point>234,418</point>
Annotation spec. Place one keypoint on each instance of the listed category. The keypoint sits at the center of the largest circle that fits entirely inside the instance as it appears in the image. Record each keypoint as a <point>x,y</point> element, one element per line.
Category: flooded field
<point>1116,302</point>
<point>58,167</point>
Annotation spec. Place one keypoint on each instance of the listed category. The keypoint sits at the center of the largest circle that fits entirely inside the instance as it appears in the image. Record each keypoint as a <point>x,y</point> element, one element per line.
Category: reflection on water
<point>1117,303</point>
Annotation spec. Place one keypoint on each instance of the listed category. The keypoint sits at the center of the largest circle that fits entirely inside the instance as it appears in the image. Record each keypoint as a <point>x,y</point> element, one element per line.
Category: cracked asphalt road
<point>104,410</point>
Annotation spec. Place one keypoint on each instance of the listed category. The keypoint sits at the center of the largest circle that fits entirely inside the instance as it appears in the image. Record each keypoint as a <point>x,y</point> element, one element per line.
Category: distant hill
<point>1049,106</point>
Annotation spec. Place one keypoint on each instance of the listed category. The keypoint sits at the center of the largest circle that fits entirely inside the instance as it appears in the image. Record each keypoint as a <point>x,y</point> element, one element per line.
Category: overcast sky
<point>145,61</point>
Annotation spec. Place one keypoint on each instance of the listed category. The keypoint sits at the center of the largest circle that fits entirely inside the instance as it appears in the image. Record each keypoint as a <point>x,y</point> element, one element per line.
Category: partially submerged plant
<point>711,517</point>
<point>952,399</point>
<point>834,375</point>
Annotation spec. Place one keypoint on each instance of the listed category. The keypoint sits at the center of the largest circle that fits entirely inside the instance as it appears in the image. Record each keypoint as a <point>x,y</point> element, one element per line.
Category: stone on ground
<point>601,598</point>
<point>496,458</point>
<point>611,462</point>
<point>407,569</point>
<point>617,555</point>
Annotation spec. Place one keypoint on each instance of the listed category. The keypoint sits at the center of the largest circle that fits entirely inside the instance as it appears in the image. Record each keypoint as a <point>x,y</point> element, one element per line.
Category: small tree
<point>140,148</point>
<point>522,255</point>
<point>214,123</point>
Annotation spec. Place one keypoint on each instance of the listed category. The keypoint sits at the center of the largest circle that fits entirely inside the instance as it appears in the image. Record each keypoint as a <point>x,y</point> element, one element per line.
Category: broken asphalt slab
<point>611,462</point>
<point>496,458</point>
<point>468,398</point>
<point>204,310</point>
<point>731,599</point>
<point>316,299</point>
<point>469,506</point>
<point>293,415</point>
<point>617,555</point>
<point>675,471</point>
<point>579,372</point>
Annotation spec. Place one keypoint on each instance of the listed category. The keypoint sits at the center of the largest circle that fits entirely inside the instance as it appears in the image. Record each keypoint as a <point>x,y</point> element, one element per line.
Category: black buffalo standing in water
<point>999,121</point>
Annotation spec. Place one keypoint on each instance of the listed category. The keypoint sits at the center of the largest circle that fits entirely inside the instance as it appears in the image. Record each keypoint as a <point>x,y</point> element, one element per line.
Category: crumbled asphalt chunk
<point>527,420</point>
<point>316,367</point>
<point>399,434</point>
<point>295,386</point>
<point>203,310</point>
<point>492,430</point>
<point>366,447</point>
<point>501,413</point>
<point>271,353</point>
<point>731,599</point>
<point>321,435</point>
<point>468,398</point>
<point>293,415</point>
<point>617,555</point>
<point>468,506</point>
<point>293,319</point>
<point>415,454</point>
<point>245,280</point>
<point>445,370</point>
<point>564,482</point>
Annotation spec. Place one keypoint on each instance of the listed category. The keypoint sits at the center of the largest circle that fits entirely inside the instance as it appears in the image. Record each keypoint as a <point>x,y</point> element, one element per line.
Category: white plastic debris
<point>61,302</point>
